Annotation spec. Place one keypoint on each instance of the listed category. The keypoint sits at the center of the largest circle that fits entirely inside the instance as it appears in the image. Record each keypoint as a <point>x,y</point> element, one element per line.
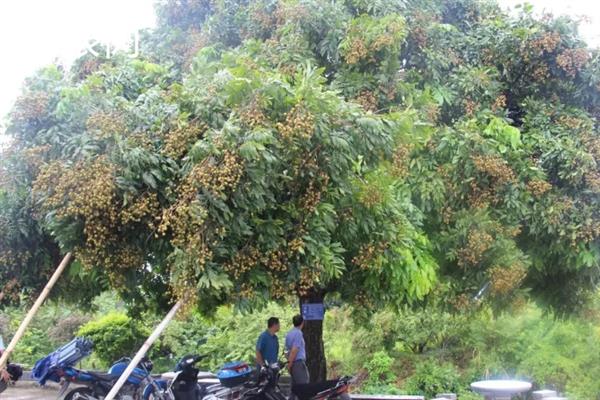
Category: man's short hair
<point>297,320</point>
<point>272,321</point>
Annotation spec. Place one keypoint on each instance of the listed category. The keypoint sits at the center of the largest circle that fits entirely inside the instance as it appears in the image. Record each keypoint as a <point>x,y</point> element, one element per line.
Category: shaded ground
<point>29,391</point>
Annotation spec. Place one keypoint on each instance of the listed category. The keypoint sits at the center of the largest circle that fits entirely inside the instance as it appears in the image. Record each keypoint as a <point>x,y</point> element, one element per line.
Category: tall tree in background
<point>301,149</point>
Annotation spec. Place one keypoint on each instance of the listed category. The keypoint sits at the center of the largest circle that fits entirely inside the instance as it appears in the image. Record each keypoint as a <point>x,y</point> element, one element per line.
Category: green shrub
<point>379,369</point>
<point>432,377</point>
<point>34,345</point>
<point>115,335</point>
<point>381,377</point>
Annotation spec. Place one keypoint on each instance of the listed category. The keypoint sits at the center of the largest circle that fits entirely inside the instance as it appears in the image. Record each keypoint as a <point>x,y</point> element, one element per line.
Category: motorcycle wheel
<point>82,393</point>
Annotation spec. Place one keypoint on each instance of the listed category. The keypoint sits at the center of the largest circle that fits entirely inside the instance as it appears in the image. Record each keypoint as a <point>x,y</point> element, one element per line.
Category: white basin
<point>500,387</point>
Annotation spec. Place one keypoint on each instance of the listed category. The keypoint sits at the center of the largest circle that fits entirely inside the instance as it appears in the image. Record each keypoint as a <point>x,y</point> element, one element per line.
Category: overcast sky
<point>34,33</point>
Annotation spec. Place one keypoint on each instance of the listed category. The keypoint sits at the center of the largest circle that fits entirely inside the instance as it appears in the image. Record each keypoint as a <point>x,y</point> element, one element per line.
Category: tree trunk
<point>313,336</point>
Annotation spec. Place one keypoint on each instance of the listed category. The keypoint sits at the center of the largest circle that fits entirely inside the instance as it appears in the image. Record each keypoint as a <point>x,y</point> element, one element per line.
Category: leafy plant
<point>115,335</point>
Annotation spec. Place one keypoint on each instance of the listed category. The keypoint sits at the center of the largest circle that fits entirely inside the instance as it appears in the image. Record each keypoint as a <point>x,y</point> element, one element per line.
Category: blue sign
<point>313,311</point>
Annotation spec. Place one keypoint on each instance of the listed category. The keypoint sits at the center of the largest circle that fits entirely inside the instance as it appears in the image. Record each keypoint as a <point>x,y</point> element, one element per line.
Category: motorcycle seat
<point>103,377</point>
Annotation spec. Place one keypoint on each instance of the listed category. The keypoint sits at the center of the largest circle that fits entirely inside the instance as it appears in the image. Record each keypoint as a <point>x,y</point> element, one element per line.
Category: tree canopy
<point>374,151</point>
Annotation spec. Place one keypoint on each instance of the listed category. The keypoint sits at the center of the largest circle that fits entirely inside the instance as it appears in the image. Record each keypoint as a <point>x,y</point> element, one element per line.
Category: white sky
<point>33,33</point>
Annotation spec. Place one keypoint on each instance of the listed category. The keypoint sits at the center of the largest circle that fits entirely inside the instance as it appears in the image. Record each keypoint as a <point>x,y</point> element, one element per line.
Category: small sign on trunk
<point>313,311</point>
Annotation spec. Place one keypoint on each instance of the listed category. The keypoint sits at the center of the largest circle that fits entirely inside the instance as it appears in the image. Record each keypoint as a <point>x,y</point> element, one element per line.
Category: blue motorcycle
<point>59,367</point>
<point>97,385</point>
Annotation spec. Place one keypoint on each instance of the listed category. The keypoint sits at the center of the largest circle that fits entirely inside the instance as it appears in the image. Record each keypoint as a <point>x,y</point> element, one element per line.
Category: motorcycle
<point>59,366</point>
<point>97,385</point>
<point>187,382</point>
<point>266,387</point>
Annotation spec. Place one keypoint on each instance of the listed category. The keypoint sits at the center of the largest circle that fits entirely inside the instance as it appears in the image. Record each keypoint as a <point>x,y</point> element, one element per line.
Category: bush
<point>34,344</point>
<point>380,375</point>
<point>379,369</point>
<point>432,377</point>
<point>114,335</point>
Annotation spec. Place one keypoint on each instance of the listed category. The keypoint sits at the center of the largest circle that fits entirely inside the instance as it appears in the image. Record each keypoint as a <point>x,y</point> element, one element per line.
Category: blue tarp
<point>68,355</point>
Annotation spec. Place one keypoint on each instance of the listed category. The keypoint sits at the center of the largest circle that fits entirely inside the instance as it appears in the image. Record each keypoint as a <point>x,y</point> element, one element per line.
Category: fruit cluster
<point>246,291</point>
<point>495,167</point>
<point>541,73</point>
<point>219,177</point>
<point>499,103</point>
<point>471,107</point>
<point>34,157</point>
<point>312,196</point>
<point>265,21</point>
<point>10,289</point>
<point>243,261</point>
<point>446,215</point>
<point>592,144</point>
<point>363,44</point>
<point>299,123</point>
<point>548,42</point>
<point>588,232</point>
<point>83,190</point>
<point>10,257</point>
<point>31,106</point>
<point>570,122</point>
<point>363,300</point>
<point>368,254</point>
<point>537,187</point>
<point>513,231</point>
<point>367,100</point>
<point>592,180</point>
<point>572,60</point>
<point>88,67</point>
<point>481,197</point>
<point>253,116</point>
<point>561,209</point>
<point>504,280</point>
<point>371,195</point>
<point>104,125</point>
<point>478,242</point>
<point>461,302</point>
<point>401,160</point>
<point>296,245</point>
<point>183,287</point>
<point>290,12</point>
<point>275,261</point>
<point>357,51</point>
<point>278,289</point>
<point>144,207</point>
<point>309,278</point>
<point>179,140</point>
<point>432,112</point>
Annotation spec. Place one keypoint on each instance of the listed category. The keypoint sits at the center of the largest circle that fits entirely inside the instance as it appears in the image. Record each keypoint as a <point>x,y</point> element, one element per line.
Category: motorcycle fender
<point>149,389</point>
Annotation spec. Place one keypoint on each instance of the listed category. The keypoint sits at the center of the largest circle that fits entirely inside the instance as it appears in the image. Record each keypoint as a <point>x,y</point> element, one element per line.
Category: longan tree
<point>373,152</point>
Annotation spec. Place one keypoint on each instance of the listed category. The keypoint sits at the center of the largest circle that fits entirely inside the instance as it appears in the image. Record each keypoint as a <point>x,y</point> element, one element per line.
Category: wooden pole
<point>142,351</point>
<point>13,343</point>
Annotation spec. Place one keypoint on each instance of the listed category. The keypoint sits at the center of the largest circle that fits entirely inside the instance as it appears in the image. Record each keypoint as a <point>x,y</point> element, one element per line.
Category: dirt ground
<point>29,391</point>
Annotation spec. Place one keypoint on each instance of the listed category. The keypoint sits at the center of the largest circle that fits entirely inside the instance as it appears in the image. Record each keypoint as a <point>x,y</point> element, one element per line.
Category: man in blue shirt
<point>267,346</point>
<point>296,351</point>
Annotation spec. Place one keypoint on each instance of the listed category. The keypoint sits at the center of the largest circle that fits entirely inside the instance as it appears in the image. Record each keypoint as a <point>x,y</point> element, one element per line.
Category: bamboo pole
<point>142,351</point>
<point>13,343</point>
